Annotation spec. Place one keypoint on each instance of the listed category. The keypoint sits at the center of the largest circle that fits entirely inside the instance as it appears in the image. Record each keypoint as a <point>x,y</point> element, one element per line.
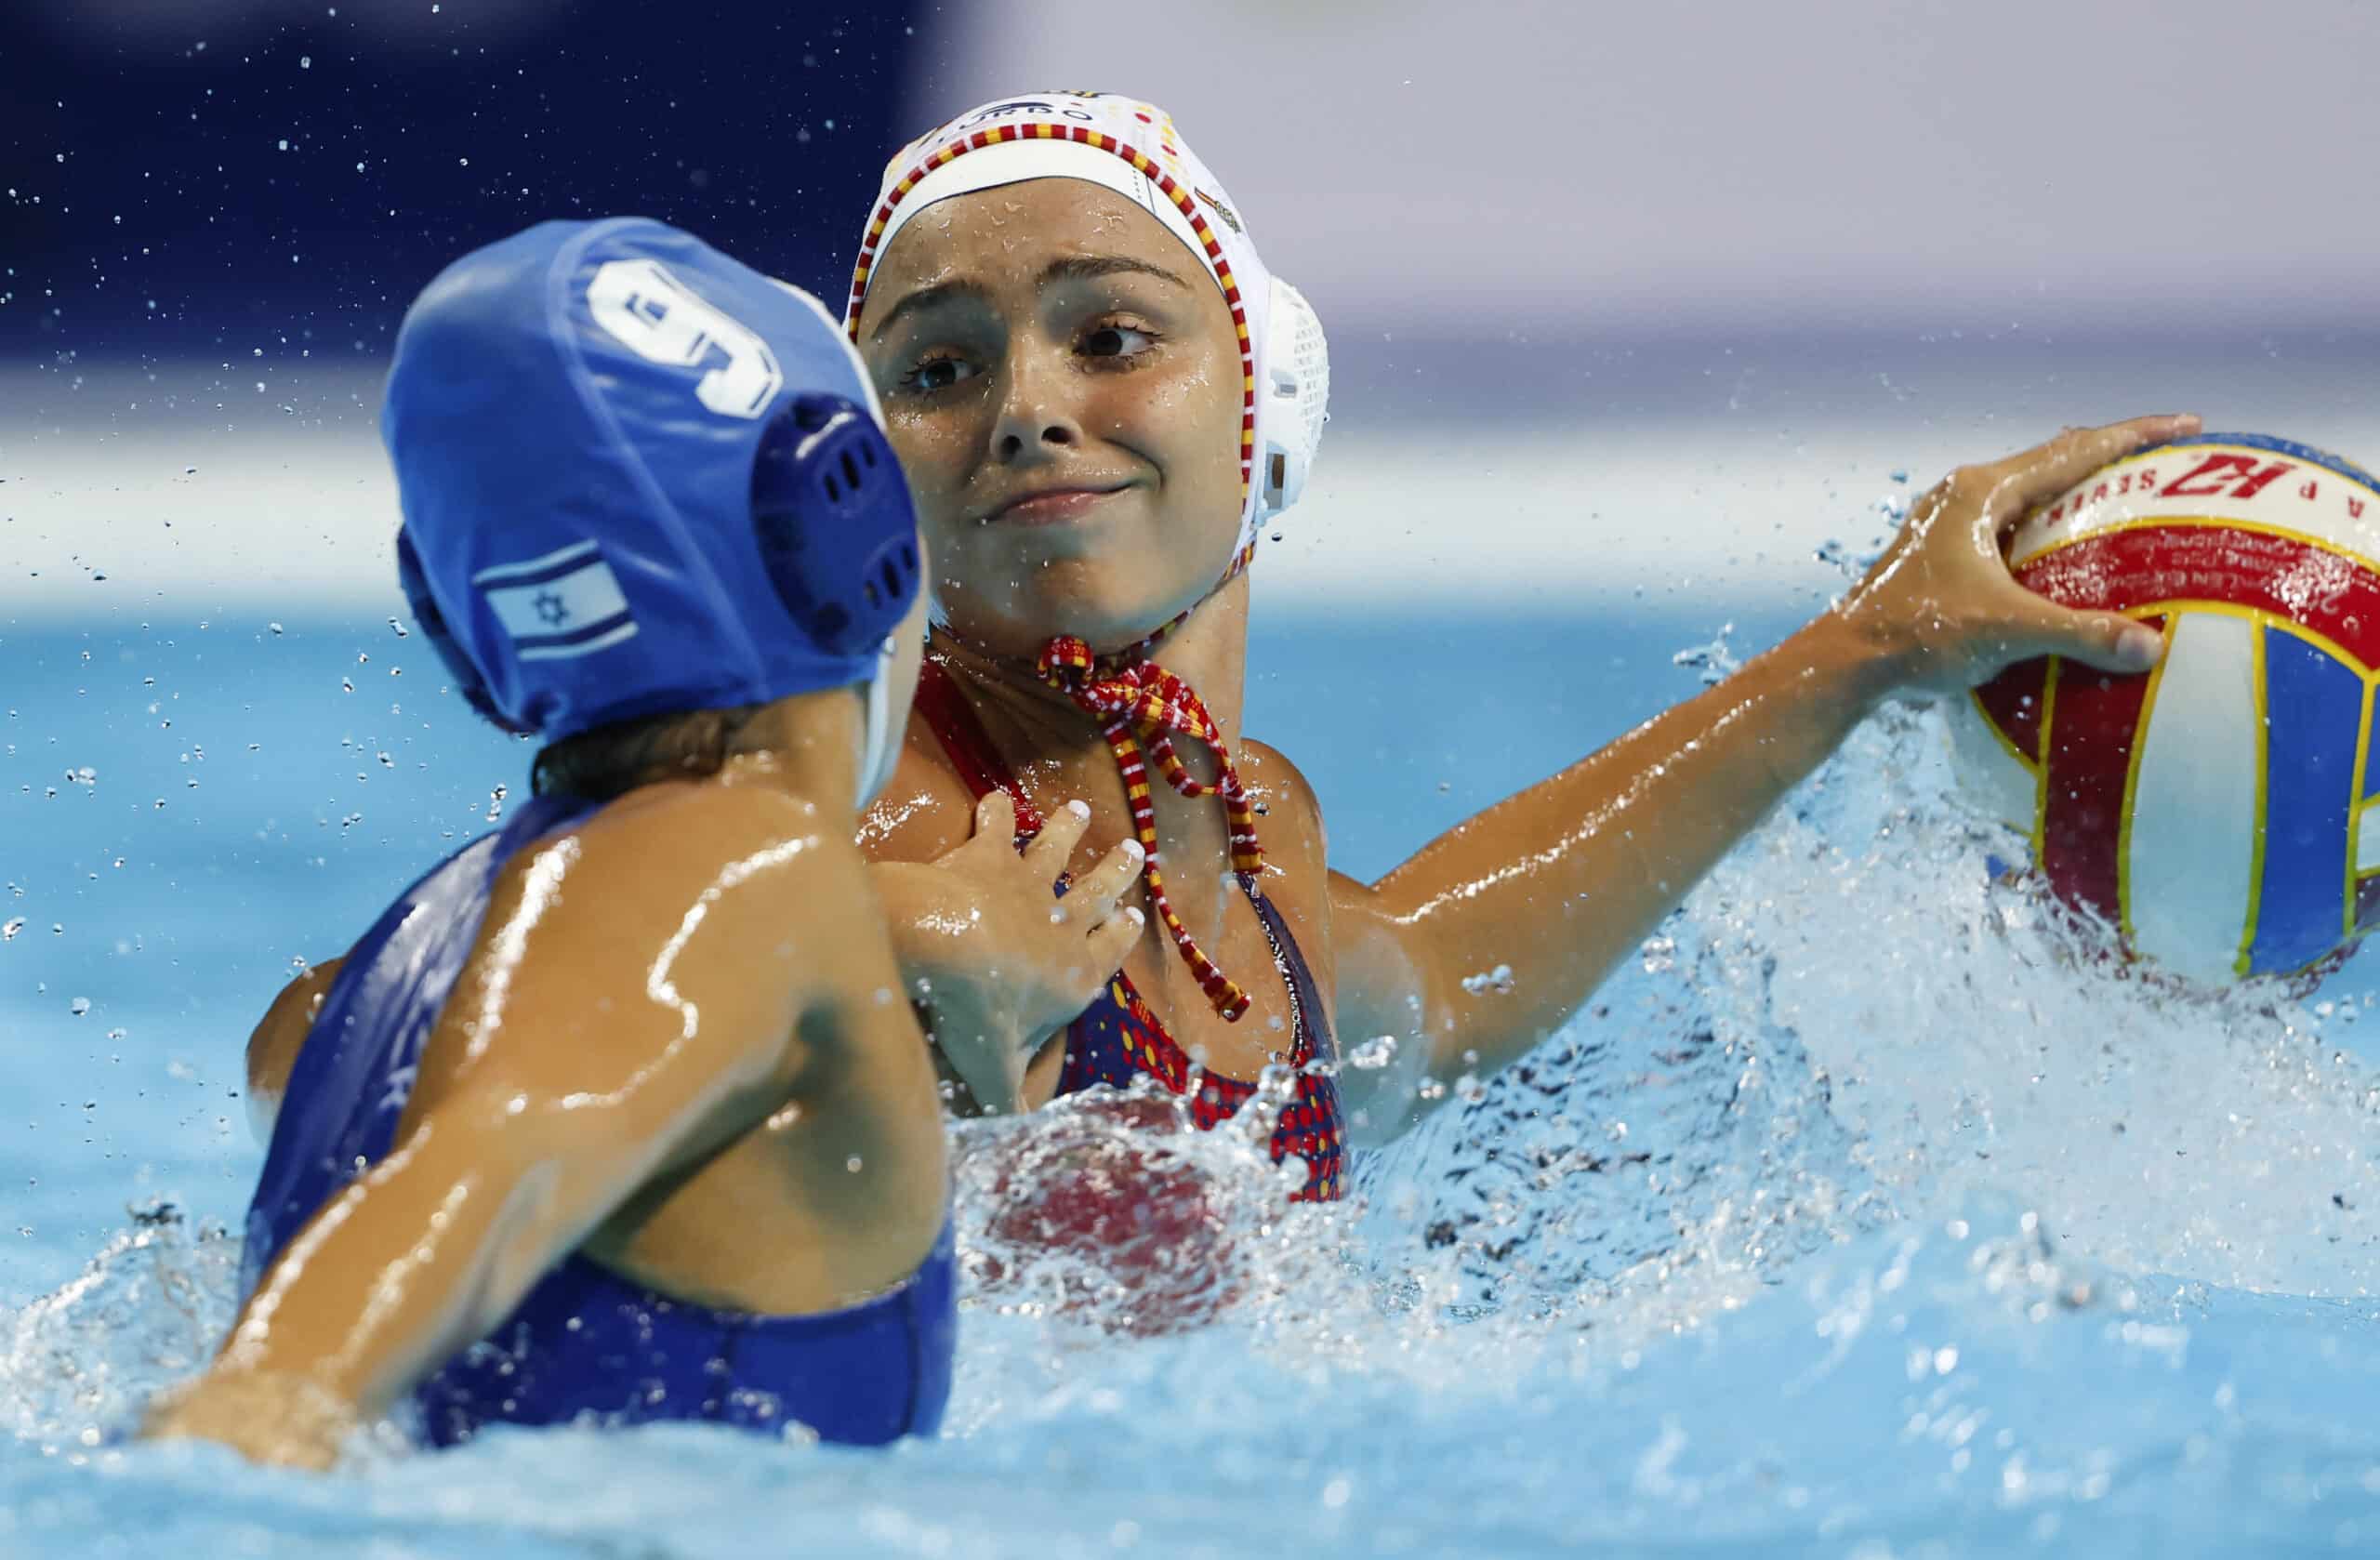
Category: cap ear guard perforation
<point>1297,396</point>
<point>832,516</point>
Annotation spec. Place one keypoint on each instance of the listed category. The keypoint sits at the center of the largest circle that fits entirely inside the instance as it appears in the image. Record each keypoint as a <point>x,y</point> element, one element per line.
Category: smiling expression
<point>1060,378</point>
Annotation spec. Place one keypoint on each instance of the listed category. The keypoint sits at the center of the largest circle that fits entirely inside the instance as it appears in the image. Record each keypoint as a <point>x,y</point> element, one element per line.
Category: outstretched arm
<point>1490,937</point>
<point>630,1009</point>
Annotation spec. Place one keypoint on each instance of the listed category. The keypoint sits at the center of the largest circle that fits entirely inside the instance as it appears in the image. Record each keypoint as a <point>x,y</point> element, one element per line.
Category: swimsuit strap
<point>1143,704</point>
<point>955,723</point>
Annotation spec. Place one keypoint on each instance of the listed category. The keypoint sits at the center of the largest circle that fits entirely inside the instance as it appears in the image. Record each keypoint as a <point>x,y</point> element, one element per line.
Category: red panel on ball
<point>2093,720</point>
<point>2322,590</point>
<point>2011,702</point>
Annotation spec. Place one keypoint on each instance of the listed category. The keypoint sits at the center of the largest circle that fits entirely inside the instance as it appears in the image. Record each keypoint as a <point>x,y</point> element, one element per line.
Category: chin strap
<point>879,743</point>
<point>1141,702</point>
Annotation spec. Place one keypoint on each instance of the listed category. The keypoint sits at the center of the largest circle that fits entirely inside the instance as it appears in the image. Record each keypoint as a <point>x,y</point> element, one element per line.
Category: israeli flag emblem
<point>562,605</point>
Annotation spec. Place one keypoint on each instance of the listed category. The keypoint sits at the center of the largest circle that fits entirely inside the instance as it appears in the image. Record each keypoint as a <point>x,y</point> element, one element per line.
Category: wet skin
<point>1057,341</point>
<point>681,1022</point>
<point>1051,336</point>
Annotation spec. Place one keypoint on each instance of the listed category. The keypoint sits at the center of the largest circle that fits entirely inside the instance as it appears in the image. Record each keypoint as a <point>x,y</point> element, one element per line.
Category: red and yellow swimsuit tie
<point>1142,706</point>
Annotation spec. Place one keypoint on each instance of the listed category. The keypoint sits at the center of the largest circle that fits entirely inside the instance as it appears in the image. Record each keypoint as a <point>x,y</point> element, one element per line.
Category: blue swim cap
<point>638,477</point>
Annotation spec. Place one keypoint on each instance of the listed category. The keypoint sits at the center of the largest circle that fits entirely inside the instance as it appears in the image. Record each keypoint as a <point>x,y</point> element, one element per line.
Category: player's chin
<point>1112,607</point>
<point>1107,598</point>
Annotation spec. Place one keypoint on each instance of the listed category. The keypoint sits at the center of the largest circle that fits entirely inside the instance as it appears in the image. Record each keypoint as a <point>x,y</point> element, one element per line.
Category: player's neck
<point>1033,720</point>
<point>807,745</point>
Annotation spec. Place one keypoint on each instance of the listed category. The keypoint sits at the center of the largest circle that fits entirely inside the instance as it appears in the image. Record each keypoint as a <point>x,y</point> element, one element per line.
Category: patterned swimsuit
<point>1119,1038</point>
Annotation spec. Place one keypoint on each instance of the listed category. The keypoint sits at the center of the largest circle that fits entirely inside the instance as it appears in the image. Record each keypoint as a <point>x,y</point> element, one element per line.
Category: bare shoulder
<point>1291,810</point>
<point>734,900</point>
<point>654,851</point>
<point>926,811</point>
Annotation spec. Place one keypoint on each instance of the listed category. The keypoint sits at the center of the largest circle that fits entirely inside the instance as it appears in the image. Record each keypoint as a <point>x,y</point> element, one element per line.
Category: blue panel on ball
<point>2313,705</point>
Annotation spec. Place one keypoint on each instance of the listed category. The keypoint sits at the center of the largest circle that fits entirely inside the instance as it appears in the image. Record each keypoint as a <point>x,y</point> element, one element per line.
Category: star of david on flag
<point>564,604</point>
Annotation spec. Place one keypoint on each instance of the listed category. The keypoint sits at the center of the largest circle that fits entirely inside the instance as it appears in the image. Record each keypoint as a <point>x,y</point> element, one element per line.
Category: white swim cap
<point>1131,147</point>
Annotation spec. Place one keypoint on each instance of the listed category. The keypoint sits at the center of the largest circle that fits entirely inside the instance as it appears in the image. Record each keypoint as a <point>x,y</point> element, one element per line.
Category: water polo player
<point>651,519</point>
<point>1102,398</point>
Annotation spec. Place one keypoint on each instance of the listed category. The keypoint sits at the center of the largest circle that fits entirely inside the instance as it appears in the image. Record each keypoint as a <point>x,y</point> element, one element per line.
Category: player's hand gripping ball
<point>2212,811</point>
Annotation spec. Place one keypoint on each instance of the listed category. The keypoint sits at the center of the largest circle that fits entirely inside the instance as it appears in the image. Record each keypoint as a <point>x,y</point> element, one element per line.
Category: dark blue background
<point>177,218</point>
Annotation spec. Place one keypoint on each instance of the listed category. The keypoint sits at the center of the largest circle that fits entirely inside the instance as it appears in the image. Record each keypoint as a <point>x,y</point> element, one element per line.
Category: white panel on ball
<point>2199,759</point>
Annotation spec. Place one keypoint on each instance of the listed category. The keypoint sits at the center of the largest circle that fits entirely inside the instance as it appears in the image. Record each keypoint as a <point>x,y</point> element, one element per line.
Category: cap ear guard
<point>837,532</point>
<point>1296,397</point>
<point>432,623</point>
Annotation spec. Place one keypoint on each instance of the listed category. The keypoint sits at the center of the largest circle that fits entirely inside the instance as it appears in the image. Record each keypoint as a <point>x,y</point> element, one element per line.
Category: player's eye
<point>938,371</point>
<point>1113,339</point>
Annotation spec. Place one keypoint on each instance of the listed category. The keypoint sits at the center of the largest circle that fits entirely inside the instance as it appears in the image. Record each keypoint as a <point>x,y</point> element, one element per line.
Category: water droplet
<point>9,928</point>
<point>276,629</point>
<point>306,61</point>
<point>78,1007</point>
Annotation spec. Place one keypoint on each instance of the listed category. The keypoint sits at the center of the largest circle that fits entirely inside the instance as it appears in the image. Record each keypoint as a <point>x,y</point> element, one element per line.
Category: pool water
<point>1864,1212</point>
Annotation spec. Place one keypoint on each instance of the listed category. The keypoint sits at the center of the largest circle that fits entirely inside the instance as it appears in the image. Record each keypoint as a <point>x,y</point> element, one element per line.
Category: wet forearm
<point>1514,917</point>
<point>420,1259</point>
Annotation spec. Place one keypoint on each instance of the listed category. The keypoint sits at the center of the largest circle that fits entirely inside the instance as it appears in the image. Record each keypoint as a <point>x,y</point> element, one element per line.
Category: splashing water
<point>1870,1204</point>
<point>146,1311</point>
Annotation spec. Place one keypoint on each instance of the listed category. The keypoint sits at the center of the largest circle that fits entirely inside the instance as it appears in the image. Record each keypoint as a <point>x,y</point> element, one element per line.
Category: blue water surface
<point>1863,1213</point>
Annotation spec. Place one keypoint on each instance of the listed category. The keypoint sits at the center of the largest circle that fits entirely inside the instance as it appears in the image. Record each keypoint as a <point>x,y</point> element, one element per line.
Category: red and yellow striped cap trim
<point>1178,192</point>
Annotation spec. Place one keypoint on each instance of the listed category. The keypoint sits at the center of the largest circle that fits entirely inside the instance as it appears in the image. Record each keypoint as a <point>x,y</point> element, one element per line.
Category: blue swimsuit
<point>585,1342</point>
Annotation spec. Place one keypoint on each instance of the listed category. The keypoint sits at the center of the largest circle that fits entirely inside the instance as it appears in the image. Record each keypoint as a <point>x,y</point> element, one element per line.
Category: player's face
<point>1062,380</point>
